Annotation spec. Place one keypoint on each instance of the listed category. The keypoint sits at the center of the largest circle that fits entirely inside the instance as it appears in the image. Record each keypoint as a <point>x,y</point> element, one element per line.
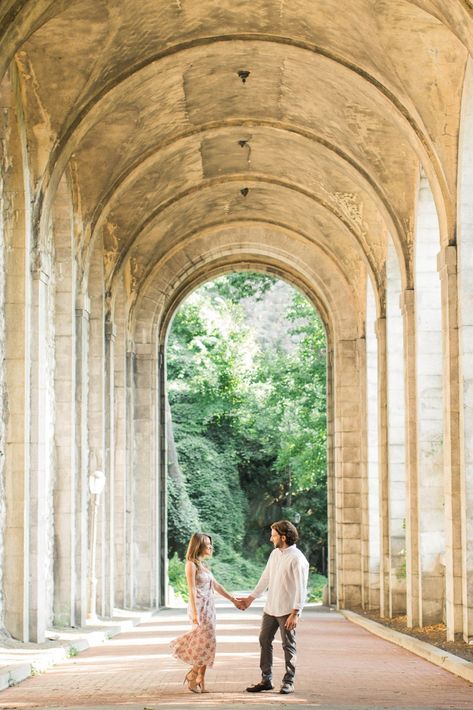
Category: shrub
<point>316,586</point>
<point>177,576</point>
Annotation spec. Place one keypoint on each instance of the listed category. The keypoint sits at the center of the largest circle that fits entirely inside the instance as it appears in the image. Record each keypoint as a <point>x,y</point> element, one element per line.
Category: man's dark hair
<point>284,527</point>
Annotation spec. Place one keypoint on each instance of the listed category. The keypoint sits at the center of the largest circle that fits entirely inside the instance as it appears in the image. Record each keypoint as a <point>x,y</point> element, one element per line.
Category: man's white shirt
<point>285,577</point>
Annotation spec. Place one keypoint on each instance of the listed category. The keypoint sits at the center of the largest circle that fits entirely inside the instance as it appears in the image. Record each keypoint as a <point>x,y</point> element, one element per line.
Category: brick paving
<point>341,666</point>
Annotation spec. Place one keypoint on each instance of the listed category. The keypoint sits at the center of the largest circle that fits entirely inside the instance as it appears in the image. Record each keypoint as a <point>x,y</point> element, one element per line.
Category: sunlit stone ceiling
<point>197,132</point>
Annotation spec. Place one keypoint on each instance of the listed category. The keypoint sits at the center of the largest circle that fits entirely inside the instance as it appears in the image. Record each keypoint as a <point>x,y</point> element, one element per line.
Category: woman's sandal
<point>191,680</point>
<point>201,683</point>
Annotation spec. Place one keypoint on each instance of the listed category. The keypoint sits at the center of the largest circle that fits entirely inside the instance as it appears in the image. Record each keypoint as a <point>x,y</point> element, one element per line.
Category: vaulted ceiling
<point>189,125</point>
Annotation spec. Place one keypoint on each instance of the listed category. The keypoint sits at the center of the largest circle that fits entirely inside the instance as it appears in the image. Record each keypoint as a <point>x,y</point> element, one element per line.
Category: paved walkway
<point>341,667</point>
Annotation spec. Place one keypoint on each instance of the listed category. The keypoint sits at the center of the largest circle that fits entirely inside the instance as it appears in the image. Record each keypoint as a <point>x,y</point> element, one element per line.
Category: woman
<point>197,647</point>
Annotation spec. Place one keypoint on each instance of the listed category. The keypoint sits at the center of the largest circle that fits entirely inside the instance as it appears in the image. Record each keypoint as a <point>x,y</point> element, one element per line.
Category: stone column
<point>65,507</point>
<point>109,470</point>
<point>465,329</point>
<point>81,496</point>
<point>430,427</point>
<point>331,526</point>
<point>348,468</point>
<point>384,512</point>
<point>392,480</point>
<point>16,241</point>
<point>366,467</point>
<point>161,525</point>
<point>371,535</point>
<point>121,500</point>
<point>38,495</point>
<point>447,266</point>
<point>412,520</point>
<point>16,410</point>
<point>396,438</point>
<point>145,477</point>
<point>129,587</point>
<point>96,438</point>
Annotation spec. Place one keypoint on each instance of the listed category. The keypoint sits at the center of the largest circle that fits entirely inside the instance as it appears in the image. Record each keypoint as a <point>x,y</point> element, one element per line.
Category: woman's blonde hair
<point>196,547</point>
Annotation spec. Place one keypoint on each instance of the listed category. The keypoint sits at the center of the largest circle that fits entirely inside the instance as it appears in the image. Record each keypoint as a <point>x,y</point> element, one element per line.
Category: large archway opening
<point>247,426</point>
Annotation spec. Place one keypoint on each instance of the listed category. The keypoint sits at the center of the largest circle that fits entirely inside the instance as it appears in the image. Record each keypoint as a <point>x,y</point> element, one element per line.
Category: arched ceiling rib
<point>455,14</point>
<point>311,169</point>
<point>19,19</point>
<point>143,102</point>
<point>252,264</point>
<point>314,275</point>
<point>245,133</point>
<point>269,194</point>
<point>281,74</point>
<point>254,231</point>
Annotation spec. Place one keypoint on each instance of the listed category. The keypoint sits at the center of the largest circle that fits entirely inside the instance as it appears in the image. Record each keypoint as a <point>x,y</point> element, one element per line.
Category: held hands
<point>238,603</point>
<point>243,603</point>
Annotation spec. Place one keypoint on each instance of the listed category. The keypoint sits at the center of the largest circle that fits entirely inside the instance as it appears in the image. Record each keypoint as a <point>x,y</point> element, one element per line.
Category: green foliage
<point>249,425</point>
<point>206,373</point>
<point>177,576</point>
<point>183,517</point>
<point>213,486</point>
<point>242,284</point>
<point>230,568</point>
<point>286,421</point>
<point>316,585</point>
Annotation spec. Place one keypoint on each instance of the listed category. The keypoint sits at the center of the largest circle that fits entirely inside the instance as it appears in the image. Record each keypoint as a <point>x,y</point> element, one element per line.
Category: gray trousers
<point>269,626</point>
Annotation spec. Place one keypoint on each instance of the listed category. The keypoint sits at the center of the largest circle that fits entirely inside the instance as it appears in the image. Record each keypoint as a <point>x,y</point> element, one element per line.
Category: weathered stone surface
<point>148,147</point>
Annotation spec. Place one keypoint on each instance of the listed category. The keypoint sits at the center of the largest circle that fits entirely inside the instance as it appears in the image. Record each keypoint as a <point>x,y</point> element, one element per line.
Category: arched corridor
<point>148,147</point>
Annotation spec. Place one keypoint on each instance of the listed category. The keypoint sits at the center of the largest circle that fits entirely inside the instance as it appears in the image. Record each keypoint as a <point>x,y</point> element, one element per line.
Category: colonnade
<point>208,144</point>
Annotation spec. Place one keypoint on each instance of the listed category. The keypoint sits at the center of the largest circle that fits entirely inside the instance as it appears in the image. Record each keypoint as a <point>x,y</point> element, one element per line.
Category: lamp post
<point>96,486</point>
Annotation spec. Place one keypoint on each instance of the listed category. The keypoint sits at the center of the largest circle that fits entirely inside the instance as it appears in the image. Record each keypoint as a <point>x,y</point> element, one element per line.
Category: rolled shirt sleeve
<point>301,574</point>
<point>263,581</point>
<point>285,578</point>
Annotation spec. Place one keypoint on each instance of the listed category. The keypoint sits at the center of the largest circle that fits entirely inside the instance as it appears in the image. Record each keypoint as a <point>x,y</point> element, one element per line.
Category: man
<point>285,578</point>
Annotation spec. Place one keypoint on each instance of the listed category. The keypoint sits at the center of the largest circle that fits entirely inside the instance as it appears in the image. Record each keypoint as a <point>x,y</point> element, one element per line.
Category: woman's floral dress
<point>197,647</point>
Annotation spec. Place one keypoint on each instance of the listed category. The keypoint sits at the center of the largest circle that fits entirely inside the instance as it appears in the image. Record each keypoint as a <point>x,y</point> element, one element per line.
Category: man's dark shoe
<point>264,685</point>
<point>286,688</point>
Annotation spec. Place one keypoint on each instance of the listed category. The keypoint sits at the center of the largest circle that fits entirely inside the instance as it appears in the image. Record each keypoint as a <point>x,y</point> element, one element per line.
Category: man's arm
<point>300,569</point>
<point>259,589</point>
<point>301,574</point>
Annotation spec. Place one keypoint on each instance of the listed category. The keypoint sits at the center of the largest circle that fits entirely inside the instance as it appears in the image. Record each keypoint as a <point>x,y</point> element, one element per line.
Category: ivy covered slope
<point>246,362</point>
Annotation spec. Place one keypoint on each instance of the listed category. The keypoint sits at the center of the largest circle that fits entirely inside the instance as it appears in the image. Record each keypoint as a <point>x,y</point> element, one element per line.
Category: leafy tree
<point>183,517</point>
<point>249,424</point>
<point>283,470</point>
<point>242,284</point>
<point>207,372</point>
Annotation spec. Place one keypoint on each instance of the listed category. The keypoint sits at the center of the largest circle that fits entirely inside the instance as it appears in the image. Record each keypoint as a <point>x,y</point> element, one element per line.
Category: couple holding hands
<point>285,578</point>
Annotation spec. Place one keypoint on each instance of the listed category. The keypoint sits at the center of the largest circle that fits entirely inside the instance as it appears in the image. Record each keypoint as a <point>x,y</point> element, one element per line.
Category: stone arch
<point>404,118</point>
<point>129,181</point>
<point>150,326</point>
<point>30,15</point>
<point>342,108</point>
<point>143,230</point>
